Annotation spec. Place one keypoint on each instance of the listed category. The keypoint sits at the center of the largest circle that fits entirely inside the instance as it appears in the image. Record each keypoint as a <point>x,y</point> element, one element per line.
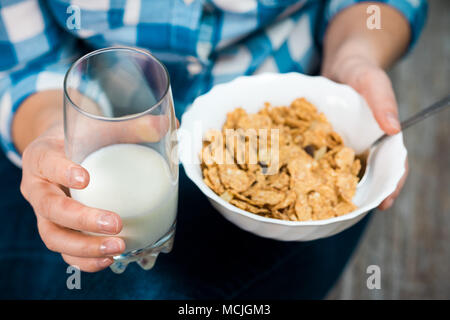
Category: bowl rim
<point>189,168</point>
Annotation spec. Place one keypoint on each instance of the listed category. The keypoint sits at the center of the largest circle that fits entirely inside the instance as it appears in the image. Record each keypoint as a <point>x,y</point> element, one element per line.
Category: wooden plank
<point>410,242</point>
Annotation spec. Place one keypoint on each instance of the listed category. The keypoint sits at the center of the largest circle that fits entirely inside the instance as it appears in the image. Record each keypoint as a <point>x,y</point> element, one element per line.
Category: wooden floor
<point>411,241</point>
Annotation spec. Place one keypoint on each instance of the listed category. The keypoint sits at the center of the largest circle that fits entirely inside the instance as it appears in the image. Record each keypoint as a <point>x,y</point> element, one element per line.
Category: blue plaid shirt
<point>203,42</point>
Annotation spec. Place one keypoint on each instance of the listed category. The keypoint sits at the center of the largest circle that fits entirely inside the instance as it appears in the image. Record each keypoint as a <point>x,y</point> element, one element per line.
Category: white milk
<point>135,182</point>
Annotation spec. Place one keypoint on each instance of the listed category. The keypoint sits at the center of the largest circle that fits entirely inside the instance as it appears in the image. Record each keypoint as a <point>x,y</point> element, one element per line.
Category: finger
<point>389,201</point>
<point>50,202</point>
<point>50,163</point>
<point>88,264</point>
<point>376,88</point>
<point>148,128</point>
<point>386,204</point>
<point>401,183</point>
<point>78,244</point>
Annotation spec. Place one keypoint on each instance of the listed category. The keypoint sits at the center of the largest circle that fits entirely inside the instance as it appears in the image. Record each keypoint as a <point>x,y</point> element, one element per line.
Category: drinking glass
<point>119,124</point>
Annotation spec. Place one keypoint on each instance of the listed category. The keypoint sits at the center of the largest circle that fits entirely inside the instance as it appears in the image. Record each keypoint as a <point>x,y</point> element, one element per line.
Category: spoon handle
<point>422,114</point>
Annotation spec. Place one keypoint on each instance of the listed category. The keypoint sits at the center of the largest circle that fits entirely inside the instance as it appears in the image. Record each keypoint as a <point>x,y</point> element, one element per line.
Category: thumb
<point>375,86</point>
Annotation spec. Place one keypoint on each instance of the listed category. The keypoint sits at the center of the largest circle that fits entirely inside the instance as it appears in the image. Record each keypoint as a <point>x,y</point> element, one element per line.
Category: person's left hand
<point>374,85</point>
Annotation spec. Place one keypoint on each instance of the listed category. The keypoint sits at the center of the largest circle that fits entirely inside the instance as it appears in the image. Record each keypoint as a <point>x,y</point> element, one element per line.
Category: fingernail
<point>393,121</point>
<point>110,247</point>
<point>76,176</point>
<point>107,223</point>
<point>103,263</point>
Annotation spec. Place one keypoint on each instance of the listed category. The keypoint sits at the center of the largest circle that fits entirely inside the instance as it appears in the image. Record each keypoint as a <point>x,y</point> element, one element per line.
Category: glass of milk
<point>120,126</point>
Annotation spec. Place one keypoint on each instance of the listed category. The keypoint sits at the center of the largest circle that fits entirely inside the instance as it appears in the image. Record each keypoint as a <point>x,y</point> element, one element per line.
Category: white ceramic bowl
<point>345,109</point>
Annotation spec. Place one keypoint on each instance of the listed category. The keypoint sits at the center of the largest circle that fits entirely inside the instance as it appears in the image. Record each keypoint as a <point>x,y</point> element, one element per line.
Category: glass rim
<point>116,48</point>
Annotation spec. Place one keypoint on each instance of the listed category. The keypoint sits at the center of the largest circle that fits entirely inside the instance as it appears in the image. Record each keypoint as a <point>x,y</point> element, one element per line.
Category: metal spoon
<point>365,156</point>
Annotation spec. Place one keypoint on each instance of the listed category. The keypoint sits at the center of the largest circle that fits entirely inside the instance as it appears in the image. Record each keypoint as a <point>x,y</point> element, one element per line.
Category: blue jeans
<point>211,259</point>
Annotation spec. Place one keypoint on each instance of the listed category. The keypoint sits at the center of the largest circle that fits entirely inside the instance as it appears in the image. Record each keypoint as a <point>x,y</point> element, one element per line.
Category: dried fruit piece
<point>227,196</point>
<point>318,154</point>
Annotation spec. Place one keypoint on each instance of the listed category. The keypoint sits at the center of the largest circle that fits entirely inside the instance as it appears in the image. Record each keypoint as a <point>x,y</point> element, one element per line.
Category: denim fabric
<point>212,258</point>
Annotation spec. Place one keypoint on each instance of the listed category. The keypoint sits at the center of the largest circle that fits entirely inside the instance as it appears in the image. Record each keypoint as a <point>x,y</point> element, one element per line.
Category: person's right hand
<point>47,174</point>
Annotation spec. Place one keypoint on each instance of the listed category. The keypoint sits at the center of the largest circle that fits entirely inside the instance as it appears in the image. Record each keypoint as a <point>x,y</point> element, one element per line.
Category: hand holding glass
<point>120,124</point>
